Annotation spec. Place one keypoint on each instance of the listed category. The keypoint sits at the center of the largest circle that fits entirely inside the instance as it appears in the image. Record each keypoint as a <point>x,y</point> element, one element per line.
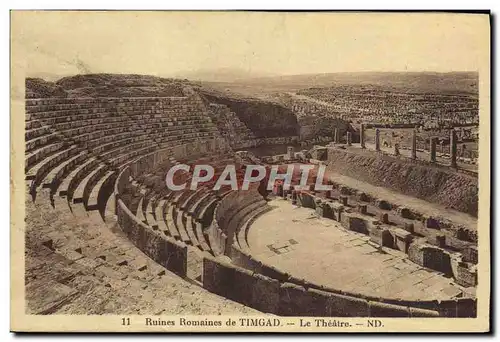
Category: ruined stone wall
<point>455,190</point>
<point>298,294</point>
<point>429,252</point>
<point>285,298</point>
<point>312,127</point>
<point>265,287</point>
<point>165,251</point>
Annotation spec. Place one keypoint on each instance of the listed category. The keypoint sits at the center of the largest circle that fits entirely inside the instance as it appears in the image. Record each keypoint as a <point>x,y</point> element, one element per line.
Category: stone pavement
<point>320,250</point>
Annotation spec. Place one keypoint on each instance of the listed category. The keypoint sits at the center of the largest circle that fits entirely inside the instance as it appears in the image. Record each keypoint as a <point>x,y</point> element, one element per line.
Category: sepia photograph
<point>239,171</point>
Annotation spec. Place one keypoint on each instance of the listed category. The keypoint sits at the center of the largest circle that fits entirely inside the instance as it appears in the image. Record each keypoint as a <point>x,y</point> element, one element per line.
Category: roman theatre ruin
<point>395,237</point>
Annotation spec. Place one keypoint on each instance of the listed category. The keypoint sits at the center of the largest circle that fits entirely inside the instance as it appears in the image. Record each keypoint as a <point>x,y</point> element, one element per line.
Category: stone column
<point>396,149</point>
<point>335,133</point>
<point>290,152</point>
<point>462,150</point>
<point>279,189</point>
<point>343,200</point>
<point>409,227</point>
<point>318,204</point>
<point>414,145</point>
<point>377,139</point>
<point>348,138</point>
<point>433,149</point>
<point>362,135</point>
<point>453,148</point>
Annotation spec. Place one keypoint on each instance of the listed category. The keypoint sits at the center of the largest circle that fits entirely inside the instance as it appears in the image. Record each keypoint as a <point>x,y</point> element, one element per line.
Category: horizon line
<point>180,76</point>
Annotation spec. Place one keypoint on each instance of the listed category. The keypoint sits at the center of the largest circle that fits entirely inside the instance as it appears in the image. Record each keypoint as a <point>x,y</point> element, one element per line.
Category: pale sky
<point>164,43</point>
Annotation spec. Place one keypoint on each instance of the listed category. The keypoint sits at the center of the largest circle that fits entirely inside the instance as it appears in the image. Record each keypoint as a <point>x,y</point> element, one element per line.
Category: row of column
<point>433,143</point>
<point>336,136</point>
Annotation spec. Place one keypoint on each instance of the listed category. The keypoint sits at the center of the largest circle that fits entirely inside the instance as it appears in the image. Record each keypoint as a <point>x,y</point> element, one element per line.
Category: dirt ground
<point>323,252</point>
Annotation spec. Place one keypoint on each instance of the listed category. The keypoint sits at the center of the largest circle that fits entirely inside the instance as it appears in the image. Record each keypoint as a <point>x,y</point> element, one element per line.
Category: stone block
<point>273,273</point>
<point>355,223</point>
<point>378,309</point>
<point>299,199</point>
<point>344,190</point>
<point>328,210</point>
<point>431,257</point>
<point>466,307</point>
<point>176,260</point>
<point>467,275</point>
<point>242,286</point>
<point>448,308</point>
<point>381,236</point>
<point>155,246</point>
<point>343,200</point>
<point>294,300</point>
<point>383,204</point>
<point>402,239</point>
<point>306,200</point>
<point>409,227</point>
<point>470,254</point>
<point>329,194</point>
<point>418,312</point>
<point>376,233</point>
<point>416,253</point>
<point>213,276</point>
<point>346,306</point>
<point>432,223</point>
<point>438,239</point>
<point>362,209</point>
<point>333,210</point>
<point>363,197</point>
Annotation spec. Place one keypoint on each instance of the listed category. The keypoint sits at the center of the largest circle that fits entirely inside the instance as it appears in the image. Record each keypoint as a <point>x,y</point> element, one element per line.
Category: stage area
<point>321,251</point>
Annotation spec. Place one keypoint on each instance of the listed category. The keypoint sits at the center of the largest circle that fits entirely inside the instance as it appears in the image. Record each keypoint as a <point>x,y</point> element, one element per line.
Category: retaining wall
<point>289,299</point>
<point>165,251</point>
<point>433,184</point>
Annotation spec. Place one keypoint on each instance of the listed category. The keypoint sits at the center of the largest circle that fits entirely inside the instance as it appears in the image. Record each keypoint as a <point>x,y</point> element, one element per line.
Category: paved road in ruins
<point>320,250</point>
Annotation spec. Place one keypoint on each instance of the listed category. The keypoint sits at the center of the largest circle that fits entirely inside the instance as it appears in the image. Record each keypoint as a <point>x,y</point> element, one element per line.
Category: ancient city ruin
<point>395,237</point>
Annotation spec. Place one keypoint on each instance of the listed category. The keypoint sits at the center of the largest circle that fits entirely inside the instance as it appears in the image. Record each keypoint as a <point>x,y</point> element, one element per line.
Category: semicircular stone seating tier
<point>237,274</point>
<point>86,151</point>
<point>76,147</point>
<point>209,228</point>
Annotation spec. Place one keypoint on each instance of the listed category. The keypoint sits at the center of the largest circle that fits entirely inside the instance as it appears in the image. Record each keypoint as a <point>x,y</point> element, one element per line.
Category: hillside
<point>264,118</point>
<point>436,185</point>
<point>105,85</point>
